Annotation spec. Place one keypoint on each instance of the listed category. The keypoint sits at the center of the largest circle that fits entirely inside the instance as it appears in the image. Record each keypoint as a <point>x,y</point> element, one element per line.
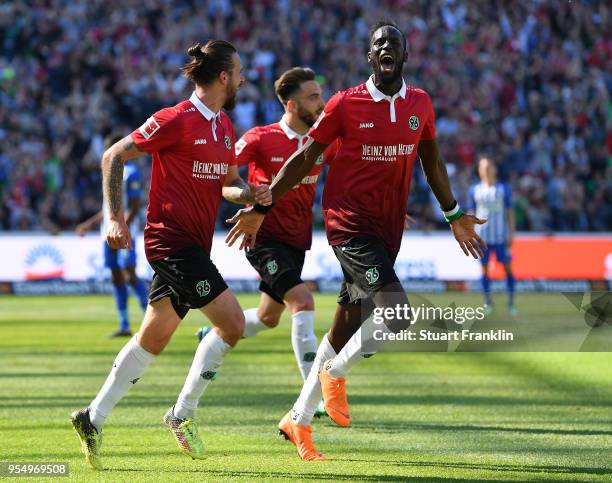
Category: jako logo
<point>200,141</point>
<point>366,125</point>
<point>44,262</point>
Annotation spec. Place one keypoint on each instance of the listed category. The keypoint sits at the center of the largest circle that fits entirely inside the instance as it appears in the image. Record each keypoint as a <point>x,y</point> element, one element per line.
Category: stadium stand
<point>528,83</point>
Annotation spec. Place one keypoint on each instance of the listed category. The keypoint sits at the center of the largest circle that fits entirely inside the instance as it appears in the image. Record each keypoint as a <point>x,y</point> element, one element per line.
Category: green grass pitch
<point>416,416</point>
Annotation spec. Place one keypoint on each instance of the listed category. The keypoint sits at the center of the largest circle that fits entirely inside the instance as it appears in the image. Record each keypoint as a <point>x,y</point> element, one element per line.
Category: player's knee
<point>153,342</point>
<point>304,301</point>
<point>301,306</point>
<point>117,277</point>
<point>130,276</point>
<point>339,336</point>
<point>270,320</point>
<point>232,331</point>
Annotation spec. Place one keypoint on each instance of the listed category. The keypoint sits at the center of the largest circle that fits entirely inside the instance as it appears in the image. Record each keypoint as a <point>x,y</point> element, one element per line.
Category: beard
<point>230,98</point>
<point>307,117</point>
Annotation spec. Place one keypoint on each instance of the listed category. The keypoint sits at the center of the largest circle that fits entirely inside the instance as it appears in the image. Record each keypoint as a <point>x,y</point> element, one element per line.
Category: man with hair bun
<point>286,234</point>
<point>194,167</point>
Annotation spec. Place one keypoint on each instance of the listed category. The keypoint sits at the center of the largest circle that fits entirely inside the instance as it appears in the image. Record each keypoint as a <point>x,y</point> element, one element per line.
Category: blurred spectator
<point>528,83</point>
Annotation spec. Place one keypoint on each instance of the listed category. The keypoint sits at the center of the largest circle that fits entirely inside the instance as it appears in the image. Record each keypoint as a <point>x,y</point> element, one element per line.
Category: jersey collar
<point>379,96</point>
<point>200,106</point>
<point>291,134</point>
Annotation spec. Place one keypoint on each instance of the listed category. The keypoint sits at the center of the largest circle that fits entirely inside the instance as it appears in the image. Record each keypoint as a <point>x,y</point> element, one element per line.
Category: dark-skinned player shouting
<point>380,126</point>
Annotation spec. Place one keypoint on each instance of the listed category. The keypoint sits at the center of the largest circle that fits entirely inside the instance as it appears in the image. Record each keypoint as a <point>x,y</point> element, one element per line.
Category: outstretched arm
<point>113,160</point>
<point>247,221</point>
<point>462,225</point>
<point>296,167</point>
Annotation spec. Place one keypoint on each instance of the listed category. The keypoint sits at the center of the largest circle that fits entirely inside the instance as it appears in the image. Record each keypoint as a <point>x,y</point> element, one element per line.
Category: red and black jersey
<point>366,191</point>
<point>192,149</point>
<point>265,149</point>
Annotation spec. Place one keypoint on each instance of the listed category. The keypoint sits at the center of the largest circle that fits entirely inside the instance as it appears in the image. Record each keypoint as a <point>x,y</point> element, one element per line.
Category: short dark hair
<point>209,60</point>
<point>386,23</point>
<point>290,82</point>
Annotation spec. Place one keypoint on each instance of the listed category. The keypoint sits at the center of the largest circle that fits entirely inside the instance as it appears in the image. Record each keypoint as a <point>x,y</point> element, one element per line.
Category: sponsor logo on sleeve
<point>150,127</point>
<point>239,146</point>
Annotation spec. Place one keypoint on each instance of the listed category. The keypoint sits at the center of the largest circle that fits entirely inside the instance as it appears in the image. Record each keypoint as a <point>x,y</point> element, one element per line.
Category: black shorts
<point>188,277</point>
<point>279,265</point>
<point>367,265</point>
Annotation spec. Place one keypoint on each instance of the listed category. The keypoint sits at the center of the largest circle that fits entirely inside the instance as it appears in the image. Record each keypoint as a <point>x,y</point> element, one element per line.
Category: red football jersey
<point>192,149</point>
<point>366,191</point>
<point>265,149</point>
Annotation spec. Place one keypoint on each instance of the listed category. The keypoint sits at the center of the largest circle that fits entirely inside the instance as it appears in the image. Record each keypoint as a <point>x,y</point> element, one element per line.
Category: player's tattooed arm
<point>297,166</point>
<point>238,191</point>
<point>112,172</point>
<point>435,173</point>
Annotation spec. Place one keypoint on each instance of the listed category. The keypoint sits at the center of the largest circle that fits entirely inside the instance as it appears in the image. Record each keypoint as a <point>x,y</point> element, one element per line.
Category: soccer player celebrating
<point>380,126</point>
<point>193,167</point>
<point>286,233</point>
<point>122,263</point>
<point>492,200</point>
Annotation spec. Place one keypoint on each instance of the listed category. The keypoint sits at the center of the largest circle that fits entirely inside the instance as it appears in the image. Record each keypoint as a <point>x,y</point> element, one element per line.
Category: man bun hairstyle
<point>209,60</point>
<point>290,82</point>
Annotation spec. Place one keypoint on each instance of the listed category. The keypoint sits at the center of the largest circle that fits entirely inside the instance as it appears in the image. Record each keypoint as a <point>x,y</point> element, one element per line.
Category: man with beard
<point>193,167</point>
<point>380,126</point>
<point>286,234</point>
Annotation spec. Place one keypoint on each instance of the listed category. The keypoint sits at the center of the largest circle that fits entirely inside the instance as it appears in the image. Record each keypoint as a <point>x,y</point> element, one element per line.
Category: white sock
<point>354,351</point>
<point>304,340</point>
<point>207,359</point>
<point>130,364</point>
<point>310,396</point>
<point>252,324</point>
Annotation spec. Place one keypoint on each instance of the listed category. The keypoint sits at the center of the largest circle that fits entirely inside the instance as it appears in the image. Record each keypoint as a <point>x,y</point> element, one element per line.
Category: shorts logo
<point>203,288</point>
<point>272,267</point>
<point>228,142</point>
<point>413,123</point>
<point>372,275</point>
<point>208,375</point>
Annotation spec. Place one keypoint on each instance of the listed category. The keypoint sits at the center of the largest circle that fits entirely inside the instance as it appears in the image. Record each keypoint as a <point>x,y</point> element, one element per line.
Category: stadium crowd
<point>526,82</point>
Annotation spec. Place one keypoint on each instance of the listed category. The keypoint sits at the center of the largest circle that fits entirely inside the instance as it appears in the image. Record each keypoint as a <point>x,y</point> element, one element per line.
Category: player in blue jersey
<point>492,200</point>
<point>122,263</point>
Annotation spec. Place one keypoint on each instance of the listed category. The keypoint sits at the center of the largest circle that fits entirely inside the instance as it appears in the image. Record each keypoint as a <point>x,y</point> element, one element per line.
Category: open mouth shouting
<point>387,63</point>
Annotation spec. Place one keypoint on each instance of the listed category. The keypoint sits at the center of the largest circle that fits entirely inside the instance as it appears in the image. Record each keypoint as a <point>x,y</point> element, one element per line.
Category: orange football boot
<point>301,437</point>
<point>334,396</point>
